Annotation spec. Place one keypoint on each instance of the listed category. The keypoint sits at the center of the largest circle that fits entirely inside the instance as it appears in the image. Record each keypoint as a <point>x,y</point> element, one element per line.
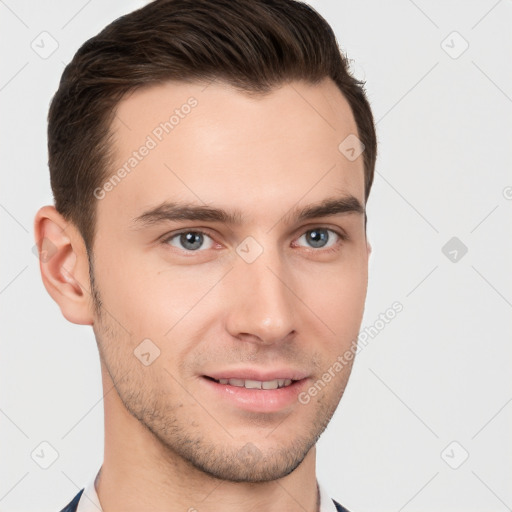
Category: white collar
<point>89,501</point>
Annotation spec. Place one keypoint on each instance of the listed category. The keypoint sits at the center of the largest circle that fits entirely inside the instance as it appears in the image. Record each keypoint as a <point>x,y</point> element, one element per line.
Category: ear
<point>368,247</point>
<point>64,265</point>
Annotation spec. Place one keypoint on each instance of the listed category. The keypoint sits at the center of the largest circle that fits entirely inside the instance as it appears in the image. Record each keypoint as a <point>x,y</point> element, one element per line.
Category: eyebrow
<point>174,211</point>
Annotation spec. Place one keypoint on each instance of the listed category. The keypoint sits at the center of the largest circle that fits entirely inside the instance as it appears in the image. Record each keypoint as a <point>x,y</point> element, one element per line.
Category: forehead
<point>213,144</point>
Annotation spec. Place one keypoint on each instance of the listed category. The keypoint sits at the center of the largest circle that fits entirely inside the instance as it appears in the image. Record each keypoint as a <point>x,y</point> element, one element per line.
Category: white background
<point>438,373</point>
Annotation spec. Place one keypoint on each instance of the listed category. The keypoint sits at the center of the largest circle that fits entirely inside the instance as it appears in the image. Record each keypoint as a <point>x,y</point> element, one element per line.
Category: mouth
<point>262,396</point>
<point>254,384</point>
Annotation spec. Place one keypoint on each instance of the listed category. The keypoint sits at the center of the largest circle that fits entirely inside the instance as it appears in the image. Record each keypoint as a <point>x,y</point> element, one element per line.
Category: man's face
<point>184,299</point>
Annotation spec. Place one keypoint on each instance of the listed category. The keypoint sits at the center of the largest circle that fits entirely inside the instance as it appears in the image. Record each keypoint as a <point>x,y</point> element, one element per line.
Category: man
<point>211,162</point>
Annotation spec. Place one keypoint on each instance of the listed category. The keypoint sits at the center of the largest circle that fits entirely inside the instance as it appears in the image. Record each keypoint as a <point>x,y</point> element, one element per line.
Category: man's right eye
<point>189,240</point>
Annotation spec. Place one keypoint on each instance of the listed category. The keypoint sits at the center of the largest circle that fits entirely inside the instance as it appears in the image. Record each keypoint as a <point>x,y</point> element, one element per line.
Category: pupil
<point>191,240</point>
<point>318,237</point>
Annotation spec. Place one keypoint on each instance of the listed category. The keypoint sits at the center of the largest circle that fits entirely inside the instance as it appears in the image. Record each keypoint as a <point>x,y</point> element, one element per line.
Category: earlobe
<point>63,264</point>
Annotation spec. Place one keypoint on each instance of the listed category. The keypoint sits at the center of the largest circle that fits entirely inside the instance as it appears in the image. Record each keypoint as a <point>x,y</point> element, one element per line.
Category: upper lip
<point>259,375</point>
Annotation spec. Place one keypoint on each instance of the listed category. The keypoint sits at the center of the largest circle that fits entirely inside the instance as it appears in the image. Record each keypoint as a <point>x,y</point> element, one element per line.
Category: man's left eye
<point>320,238</point>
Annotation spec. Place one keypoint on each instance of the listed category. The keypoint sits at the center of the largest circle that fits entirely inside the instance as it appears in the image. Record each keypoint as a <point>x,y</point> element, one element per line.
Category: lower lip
<point>258,400</point>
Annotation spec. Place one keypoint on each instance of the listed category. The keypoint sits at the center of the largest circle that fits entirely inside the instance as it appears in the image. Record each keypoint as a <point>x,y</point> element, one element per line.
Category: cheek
<point>337,298</point>
<point>149,297</point>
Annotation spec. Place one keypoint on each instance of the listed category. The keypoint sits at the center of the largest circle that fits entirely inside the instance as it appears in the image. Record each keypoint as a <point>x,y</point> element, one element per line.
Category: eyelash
<point>343,237</point>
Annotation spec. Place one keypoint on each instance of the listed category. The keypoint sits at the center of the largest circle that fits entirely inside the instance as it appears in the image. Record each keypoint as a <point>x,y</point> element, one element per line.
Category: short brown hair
<point>254,45</point>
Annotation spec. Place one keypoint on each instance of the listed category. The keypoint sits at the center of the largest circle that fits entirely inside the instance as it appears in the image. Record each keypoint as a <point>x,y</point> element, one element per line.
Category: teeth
<point>253,384</point>
<point>257,384</point>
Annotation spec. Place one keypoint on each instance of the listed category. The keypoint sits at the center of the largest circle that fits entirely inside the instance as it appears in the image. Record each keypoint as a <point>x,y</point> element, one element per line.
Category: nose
<point>262,305</point>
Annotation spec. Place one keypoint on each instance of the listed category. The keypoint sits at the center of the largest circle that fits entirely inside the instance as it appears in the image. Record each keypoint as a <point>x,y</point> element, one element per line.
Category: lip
<point>256,400</point>
<point>256,374</point>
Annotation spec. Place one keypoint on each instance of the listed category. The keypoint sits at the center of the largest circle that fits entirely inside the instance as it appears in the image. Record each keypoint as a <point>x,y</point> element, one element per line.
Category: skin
<point>168,441</point>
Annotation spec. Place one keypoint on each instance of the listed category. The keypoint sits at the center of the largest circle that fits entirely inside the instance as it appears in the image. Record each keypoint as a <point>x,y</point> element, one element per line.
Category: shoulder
<point>339,507</point>
<point>73,505</point>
